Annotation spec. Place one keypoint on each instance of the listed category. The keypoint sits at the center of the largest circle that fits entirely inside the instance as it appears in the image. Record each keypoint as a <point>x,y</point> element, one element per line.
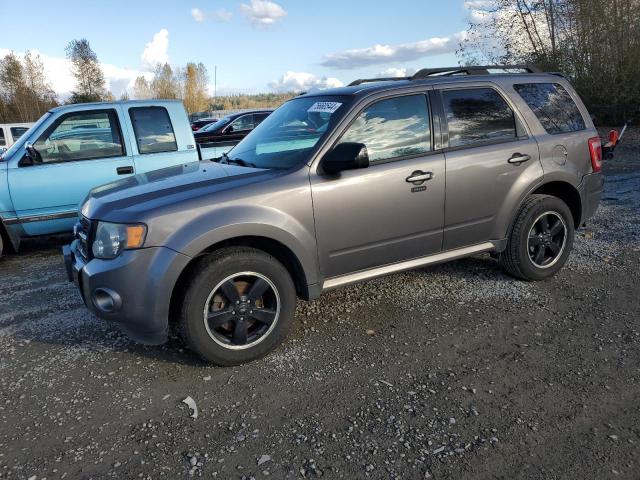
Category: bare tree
<point>90,83</point>
<point>596,43</point>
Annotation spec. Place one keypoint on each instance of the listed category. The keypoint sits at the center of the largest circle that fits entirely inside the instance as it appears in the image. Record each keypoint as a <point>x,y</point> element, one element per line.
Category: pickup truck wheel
<point>238,307</point>
<point>540,240</point>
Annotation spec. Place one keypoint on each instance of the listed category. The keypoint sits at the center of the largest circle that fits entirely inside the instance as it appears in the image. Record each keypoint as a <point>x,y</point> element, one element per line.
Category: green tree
<point>165,83</point>
<point>90,83</point>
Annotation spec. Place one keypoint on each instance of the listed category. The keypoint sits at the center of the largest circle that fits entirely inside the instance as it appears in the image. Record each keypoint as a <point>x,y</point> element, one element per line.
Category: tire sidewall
<point>549,204</point>
<point>203,283</point>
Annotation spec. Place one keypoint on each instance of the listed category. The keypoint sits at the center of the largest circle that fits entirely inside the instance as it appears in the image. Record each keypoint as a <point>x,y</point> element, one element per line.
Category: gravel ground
<point>451,372</point>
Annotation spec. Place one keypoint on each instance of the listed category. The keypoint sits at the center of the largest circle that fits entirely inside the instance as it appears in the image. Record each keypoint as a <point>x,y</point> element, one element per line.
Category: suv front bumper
<point>133,290</point>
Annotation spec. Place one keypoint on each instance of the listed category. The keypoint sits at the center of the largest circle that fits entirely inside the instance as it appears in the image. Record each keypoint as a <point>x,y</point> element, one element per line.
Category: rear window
<point>553,106</point>
<point>153,129</point>
<point>478,116</point>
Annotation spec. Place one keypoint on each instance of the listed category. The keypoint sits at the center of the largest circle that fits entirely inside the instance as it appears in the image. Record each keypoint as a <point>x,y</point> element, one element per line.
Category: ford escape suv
<point>339,187</point>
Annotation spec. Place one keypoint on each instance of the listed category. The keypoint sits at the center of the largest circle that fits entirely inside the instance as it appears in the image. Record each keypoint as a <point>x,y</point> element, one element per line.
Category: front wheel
<point>540,239</point>
<point>238,307</point>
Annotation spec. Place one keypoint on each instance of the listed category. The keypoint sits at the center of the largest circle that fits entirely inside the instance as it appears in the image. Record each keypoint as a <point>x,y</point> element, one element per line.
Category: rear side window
<point>553,106</point>
<point>393,128</point>
<point>477,116</point>
<point>17,132</point>
<point>153,129</point>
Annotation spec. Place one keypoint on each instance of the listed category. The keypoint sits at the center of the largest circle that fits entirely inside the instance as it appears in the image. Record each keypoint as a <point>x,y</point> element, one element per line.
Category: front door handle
<point>518,158</point>
<point>419,177</point>
<point>125,170</point>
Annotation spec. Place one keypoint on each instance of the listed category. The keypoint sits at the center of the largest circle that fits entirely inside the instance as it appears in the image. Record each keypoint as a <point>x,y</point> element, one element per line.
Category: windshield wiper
<point>235,161</point>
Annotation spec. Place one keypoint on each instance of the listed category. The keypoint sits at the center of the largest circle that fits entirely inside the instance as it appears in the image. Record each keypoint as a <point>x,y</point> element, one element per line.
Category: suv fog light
<point>106,300</point>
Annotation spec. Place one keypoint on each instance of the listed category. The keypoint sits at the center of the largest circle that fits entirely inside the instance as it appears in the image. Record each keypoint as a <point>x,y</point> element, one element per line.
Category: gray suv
<point>338,187</point>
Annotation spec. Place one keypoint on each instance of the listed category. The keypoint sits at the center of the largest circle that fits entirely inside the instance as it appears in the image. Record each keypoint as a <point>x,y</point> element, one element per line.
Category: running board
<point>362,275</point>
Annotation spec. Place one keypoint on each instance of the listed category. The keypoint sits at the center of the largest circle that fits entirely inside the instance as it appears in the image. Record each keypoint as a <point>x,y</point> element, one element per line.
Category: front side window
<point>153,130</point>
<point>17,132</point>
<point>392,128</point>
<point>242,124</point>
<point>81,136</point>
<point>477,116</point>
<point>287,137</point>
<point>553,106</point>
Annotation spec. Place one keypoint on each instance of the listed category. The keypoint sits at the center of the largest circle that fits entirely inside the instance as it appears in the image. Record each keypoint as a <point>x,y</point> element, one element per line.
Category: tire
<point>1,244</point>
<point>523,258</point>
<point>258,312</point>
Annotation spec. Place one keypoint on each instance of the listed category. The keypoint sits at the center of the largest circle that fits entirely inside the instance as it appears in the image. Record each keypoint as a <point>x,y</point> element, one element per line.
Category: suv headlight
<point>112,238</point>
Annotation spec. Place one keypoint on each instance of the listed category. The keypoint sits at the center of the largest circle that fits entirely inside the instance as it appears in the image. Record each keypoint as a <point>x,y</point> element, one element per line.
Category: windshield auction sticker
<point>325,107</point>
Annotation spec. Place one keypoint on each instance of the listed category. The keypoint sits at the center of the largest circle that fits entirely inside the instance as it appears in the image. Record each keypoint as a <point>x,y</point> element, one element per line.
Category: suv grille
<point>82,231</point>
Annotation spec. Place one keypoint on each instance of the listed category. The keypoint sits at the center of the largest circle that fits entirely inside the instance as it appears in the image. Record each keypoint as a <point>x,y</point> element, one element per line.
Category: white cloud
<point>379,54</point>
<point>396,72</point>
<point>58,71</point>
<point>303,81</point>
<point>222,15</point>
<point>155,51</point>
<point>198,15</point>
<point>263,13</point>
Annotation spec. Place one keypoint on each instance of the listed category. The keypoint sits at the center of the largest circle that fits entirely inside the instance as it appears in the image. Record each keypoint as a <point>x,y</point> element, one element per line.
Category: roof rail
<point>450,71</point>
<point>360,81</point>
<point>470,70</point>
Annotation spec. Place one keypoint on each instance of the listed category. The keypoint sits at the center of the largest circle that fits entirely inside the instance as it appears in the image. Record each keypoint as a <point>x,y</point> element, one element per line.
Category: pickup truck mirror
<point>29,159</point>
<point>346,156</point>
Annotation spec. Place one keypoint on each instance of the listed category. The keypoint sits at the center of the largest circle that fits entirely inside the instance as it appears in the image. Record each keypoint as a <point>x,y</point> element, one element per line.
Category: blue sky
<point>258,45</point>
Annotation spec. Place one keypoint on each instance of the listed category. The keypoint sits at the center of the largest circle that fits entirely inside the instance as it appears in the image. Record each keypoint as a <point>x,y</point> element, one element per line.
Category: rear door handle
<point>518,158</point>
<point>418,177</point>
<point>124,170</point>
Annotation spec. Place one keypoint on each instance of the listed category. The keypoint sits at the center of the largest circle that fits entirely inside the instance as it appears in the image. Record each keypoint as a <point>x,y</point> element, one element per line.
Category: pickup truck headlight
<point>112,238</point>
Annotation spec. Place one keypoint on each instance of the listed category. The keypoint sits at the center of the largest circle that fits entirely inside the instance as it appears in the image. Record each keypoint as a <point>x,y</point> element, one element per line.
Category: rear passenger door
<point>156,144</point>
<point>490,158</point>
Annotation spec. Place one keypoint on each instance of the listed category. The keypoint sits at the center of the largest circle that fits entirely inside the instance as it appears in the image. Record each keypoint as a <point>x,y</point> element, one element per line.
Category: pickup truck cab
<point>73,148</point>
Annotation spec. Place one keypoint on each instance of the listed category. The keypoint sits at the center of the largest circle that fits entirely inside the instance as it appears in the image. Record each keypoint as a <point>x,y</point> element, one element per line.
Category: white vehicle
<point>11,132</point>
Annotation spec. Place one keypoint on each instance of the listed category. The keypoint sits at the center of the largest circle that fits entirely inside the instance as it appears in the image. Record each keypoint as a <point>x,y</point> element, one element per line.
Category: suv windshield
<point>287,136</point>
<point>215,125</point>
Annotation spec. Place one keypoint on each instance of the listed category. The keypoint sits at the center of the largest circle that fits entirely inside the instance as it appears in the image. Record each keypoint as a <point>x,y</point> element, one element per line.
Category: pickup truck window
<point>83,135</point>
<point>153,130</point>
<point>2,140</point>
<point>392,128</point>
<point>17,132</point>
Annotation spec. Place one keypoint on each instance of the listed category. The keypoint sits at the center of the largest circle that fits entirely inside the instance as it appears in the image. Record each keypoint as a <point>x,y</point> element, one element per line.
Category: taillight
<point>595,149</point>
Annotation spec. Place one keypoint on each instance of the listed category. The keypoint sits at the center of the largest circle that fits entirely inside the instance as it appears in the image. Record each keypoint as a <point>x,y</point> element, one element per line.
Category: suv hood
<point>167,186</point>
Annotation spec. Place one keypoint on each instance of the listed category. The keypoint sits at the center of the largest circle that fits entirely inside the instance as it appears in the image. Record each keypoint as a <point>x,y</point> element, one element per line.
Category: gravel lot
<point>451,372</point>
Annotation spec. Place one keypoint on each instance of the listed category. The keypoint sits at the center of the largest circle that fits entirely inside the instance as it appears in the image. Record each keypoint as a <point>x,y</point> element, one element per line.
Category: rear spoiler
<point>613,140</point>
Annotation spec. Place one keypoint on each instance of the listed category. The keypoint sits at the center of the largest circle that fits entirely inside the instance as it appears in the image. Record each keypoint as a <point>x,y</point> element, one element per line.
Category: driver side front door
<point>79,151</point>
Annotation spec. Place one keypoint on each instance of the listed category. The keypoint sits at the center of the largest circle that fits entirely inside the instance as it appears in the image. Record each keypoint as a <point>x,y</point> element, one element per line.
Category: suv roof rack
<point>451,71</point>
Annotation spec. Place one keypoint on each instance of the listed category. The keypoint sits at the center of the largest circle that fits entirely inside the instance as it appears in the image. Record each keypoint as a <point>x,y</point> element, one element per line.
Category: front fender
<point>230,222</point>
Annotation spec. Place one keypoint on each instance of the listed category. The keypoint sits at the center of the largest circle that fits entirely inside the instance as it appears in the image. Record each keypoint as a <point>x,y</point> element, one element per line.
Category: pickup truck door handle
<point>518,158</point>
<point>124,170</point>
<point>418,177</point>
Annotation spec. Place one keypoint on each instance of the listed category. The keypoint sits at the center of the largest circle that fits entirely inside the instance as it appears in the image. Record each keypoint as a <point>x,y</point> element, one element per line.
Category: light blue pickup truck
<point>73,148</point>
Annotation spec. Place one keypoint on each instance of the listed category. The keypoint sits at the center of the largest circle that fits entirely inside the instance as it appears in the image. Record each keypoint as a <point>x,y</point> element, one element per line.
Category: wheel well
<point>278,250</point>
<point>568,194</point>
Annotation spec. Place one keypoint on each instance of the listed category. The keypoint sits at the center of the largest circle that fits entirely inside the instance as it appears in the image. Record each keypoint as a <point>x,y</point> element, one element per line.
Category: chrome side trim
<point>39,218</point>
<point>356,277</point>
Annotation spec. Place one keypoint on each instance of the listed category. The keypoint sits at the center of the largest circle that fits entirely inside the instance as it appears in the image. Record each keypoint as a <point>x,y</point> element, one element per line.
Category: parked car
<point>202,122</point>
<point>337,187</point>
<point>219,137</point>
<point>10,133</point>
<point>74,148</point>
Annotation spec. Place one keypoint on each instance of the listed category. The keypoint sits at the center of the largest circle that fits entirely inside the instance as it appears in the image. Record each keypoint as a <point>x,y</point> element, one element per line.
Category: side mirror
<point>346,156</point>
<point>29,159</point>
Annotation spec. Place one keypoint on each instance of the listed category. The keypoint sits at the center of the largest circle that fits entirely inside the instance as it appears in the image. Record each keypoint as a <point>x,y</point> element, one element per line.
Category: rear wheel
<point>540,240</point>
<point>238,307</point>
